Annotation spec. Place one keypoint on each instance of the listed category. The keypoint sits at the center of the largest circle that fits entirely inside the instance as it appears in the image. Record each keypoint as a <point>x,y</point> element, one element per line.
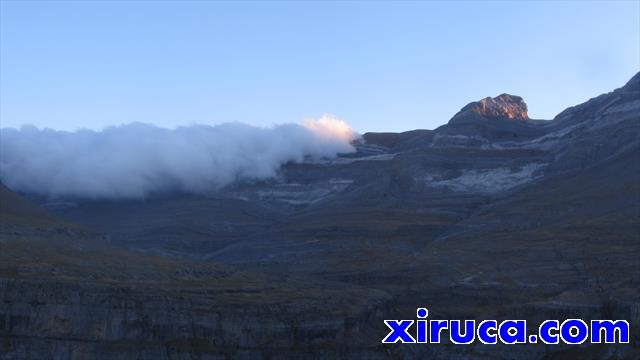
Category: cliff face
<point>61,320</point>
<point>44,320</point>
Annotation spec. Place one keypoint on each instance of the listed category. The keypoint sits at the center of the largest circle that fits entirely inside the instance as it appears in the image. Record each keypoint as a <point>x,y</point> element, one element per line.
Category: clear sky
<point>380,66</point>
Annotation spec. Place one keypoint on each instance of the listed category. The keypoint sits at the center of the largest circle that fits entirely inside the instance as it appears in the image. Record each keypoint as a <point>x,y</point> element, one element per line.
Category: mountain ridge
<point>493,218</point>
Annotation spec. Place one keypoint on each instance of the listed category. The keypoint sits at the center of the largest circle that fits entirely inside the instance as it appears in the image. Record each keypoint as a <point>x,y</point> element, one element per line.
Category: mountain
<point>502,107</point>
<point>492,215</point>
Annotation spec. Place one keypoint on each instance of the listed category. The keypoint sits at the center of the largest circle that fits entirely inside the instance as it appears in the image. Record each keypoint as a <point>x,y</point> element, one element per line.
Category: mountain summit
<point>502,107</point>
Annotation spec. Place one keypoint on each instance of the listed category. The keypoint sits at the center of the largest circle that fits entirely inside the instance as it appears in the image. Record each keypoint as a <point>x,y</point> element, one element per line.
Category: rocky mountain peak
<point>502,106</point>
<point>505,106</point>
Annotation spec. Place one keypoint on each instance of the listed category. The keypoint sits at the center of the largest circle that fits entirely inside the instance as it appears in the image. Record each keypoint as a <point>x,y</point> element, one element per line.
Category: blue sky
<point>379,66</point>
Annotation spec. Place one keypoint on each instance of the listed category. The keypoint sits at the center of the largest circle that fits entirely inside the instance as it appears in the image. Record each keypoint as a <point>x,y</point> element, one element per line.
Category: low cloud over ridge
<point>134,160</point>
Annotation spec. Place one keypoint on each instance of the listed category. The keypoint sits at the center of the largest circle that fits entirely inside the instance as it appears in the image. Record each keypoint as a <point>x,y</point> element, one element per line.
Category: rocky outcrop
<point>501,107</point>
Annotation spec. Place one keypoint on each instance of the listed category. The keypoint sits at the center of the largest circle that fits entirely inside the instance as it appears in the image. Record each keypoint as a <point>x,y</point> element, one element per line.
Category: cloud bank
<point>135,160</point>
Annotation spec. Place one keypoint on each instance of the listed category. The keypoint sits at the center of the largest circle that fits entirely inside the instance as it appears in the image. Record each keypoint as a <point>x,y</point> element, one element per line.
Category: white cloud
<point>134,160</point>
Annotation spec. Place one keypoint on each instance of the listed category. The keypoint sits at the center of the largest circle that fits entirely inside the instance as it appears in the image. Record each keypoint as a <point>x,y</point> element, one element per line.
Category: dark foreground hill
<point>493,215</point>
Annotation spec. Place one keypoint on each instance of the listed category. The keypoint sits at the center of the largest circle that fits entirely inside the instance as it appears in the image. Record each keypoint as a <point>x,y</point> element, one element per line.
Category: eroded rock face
<point>505,106</point>
<point>61,320</point>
